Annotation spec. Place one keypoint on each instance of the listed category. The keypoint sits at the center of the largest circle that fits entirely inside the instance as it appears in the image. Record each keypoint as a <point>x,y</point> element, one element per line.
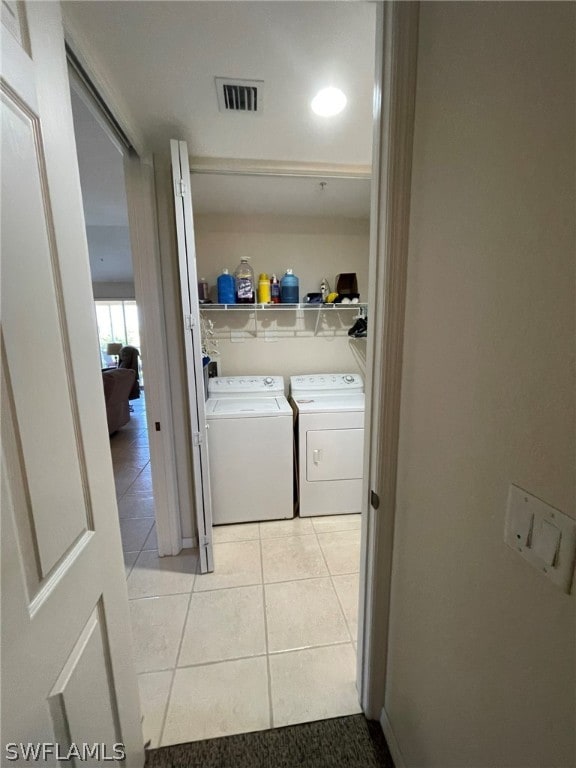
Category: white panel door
<point>67,672</point>
<point>193,347</point>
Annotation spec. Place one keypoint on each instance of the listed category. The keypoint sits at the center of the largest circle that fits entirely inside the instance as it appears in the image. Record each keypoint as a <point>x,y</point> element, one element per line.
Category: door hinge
<point>181,188</point>
<point>189,322</point>
<point>374,499</point>
<point>197,439</point>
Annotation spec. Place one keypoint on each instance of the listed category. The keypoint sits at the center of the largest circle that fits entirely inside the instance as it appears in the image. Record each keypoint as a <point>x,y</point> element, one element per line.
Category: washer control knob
<point>268,380</point>
<point>348,379</point>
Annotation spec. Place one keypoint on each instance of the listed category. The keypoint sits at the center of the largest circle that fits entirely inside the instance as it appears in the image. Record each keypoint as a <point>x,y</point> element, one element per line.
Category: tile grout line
<point>309,647</point>
<point>338,598</point>
<point>215,662</point>
<point>168,697</point>
<point>131,483</point>
<point>279,535</point>
<point>152,528</point>
<point>122,495</point>
<point>139,553</point>
<point>337,595</point>
<point>174,669</point>
<point>132,568</point>
<point>175,594</point>
<point>212,663</point>
<point>340,601</point>
<point>143,543</point>
<point>268,673</point>
<point>342,611</point>
<point>269,583</point>
<point>141,548</point>
<point>137,476</point>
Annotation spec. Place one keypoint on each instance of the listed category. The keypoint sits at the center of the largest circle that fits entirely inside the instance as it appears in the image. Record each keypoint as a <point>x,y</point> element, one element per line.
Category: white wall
<point>482,647</point>
<point>314,247</point>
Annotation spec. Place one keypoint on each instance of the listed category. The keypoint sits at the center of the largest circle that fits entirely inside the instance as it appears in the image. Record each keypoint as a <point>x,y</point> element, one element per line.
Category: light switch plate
<point>530,530</point>
<point>547,542</point>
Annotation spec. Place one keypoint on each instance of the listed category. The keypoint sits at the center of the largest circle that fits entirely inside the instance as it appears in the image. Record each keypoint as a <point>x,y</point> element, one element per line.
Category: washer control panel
<point>239,385</point>
<point>327,382</point>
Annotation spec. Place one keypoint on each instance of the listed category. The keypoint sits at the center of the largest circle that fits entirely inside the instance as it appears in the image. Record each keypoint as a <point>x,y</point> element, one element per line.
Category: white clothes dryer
<point>250,448</point>
<point>330,434</point>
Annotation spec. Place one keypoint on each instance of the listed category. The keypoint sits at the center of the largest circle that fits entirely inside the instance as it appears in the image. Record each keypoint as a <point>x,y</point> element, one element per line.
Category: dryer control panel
<point>326,382</point>
<point>245,385</point>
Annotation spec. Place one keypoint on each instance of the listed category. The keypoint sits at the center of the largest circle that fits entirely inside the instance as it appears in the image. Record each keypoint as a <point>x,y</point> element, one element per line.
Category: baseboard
<point>189,543</point>
<point>391,740</point>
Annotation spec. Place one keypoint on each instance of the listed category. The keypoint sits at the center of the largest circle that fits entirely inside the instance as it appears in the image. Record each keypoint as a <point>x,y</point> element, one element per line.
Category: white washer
<point>250,447</point>
<point>330,442</point>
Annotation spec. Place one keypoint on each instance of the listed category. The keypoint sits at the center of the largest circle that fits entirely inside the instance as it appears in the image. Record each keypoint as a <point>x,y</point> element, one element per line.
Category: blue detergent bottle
<point>226,288</point>
<point>289,288</point>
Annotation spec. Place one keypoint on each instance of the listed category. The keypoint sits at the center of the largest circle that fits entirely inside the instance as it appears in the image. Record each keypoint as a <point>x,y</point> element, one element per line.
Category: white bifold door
<point>68,681</point>
<point>193,347</point>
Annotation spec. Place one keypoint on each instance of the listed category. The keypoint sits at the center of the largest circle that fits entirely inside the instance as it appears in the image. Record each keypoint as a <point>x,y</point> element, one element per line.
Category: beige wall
<point>285,343</point>
<point>482,648</point>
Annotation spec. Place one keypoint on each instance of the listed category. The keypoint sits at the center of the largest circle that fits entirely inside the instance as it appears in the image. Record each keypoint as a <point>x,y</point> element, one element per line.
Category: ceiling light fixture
<point>328,102</point>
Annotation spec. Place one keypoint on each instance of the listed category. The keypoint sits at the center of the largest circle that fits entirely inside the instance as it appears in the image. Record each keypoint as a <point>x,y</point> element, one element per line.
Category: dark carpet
<point>351,741</point>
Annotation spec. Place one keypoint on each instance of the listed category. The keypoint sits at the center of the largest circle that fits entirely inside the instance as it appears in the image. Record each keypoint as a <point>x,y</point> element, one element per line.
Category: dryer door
<point>334,454</point>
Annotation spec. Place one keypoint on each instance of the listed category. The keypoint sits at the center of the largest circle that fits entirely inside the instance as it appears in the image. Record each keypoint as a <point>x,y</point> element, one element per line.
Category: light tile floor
<point>266,640</point>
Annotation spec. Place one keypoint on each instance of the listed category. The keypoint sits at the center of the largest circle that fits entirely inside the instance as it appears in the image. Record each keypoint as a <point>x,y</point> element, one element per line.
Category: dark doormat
<point>350,742</point>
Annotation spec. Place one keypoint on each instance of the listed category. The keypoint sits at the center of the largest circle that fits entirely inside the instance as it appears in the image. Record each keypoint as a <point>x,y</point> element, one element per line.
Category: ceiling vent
<point>239,95</point>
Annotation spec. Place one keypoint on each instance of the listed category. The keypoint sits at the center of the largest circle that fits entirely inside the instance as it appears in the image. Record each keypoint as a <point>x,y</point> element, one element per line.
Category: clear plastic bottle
<point>324,288</point>
<point>244,276</point>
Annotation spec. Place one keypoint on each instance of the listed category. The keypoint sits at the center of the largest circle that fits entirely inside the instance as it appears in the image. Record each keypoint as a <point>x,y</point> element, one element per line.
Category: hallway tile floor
<point>266,640</point>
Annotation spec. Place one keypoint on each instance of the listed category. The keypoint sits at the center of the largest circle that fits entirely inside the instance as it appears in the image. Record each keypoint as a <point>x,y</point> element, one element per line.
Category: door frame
<point>395,97</point>
<point>394,105</point>
<point>139,179</point>
<point>395,90</point>
<point>141,205</point>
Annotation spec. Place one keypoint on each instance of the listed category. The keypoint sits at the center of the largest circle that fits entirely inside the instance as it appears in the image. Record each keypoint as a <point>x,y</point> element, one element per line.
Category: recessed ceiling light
<point>328,102</point>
